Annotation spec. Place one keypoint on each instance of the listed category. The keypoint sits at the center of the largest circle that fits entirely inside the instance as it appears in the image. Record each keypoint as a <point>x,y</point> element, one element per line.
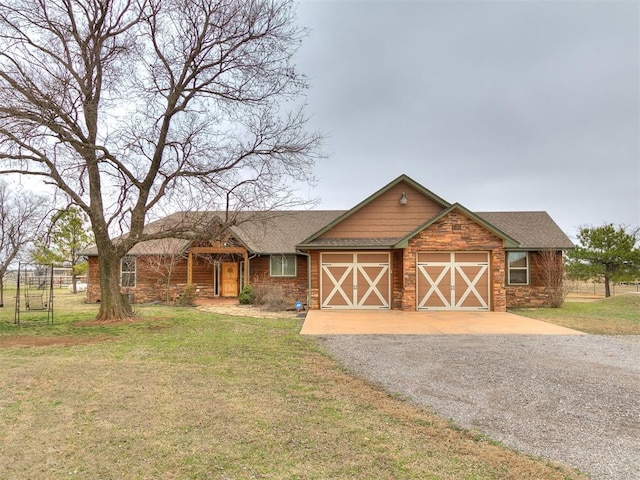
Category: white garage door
<point>453,281</point>
<point>355,280</point>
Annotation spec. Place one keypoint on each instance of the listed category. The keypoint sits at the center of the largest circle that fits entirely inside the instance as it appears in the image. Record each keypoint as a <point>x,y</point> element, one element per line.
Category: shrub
<point>270,295</point>
<point>187,297</point>
<point>247,295</point>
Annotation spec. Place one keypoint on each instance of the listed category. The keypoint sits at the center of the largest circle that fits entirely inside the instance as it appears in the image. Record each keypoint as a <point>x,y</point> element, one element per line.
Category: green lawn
<point>184,394</point>
<point>619,315</point>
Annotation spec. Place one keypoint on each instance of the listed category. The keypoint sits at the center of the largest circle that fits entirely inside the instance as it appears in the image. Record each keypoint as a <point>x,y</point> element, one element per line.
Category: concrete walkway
<point>396,322</point>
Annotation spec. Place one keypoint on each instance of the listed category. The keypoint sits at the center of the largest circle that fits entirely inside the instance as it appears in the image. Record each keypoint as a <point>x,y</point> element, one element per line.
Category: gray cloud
<point>497,105</point>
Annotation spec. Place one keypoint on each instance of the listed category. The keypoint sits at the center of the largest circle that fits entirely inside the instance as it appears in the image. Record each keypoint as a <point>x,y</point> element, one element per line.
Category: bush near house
<point>247,295</point>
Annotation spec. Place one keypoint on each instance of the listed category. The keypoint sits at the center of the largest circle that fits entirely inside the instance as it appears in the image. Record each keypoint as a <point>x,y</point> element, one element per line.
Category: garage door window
<point>518,271</point>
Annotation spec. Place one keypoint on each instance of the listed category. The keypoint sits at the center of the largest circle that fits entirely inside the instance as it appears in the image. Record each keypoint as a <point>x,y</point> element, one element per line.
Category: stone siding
<point>527,296</point>
<point>536,294</point>
<point>456,232</point>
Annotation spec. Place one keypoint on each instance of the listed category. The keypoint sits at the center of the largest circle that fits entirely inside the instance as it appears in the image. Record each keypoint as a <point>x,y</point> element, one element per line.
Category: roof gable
<point>384,206</point>
<point>510,242</point>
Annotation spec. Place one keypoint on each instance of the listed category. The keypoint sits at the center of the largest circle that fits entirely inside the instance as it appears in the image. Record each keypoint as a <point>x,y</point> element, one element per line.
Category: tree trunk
<point>607,287</point>
<point>74,276</point>
<point>113,305</point>
<point>74,282</point>
<point>168,299</point>
<point>1,291</point>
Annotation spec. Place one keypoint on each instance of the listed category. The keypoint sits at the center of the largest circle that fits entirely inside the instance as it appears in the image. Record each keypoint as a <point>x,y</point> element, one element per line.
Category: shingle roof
<point>260,232</point>
<point>281,231</point>
<point>535,230</point>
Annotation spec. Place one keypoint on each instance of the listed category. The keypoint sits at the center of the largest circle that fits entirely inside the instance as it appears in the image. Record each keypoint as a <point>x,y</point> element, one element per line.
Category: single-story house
<point>401,248</point>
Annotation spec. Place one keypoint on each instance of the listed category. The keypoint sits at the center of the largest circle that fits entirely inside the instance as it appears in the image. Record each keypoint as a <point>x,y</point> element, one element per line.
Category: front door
<point>229,279</point>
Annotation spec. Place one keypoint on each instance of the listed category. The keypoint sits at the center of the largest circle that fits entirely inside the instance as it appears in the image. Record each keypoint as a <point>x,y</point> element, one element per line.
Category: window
<point>282,265</point>
<point>128,271</point>
<point>518,268</point>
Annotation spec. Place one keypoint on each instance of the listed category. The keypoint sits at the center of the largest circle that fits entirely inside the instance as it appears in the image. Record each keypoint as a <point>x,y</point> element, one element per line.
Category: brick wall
<point>315,279</point>
<point>150,285</point>
<point>294,288</point>
<point>93,280</point>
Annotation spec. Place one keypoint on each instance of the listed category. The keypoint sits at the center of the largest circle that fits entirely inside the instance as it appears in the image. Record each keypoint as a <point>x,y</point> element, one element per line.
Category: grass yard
<point>619,315</point>
<point>184,394</point>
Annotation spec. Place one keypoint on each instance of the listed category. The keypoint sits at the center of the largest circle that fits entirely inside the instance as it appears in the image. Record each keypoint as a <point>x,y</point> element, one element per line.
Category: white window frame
<point>282,272</point>
<point>525,268</point>
<point>129,272</point>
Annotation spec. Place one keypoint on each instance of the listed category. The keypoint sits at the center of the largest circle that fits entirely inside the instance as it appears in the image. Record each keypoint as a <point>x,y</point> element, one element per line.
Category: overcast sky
<point>497,105</point>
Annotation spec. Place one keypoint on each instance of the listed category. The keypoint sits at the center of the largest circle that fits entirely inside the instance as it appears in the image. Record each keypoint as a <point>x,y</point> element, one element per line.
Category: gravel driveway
<point>572,399</point>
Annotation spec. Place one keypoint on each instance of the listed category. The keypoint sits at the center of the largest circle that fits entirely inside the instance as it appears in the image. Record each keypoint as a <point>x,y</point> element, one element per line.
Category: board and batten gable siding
<point>456,232</point>
<point>385,217</point>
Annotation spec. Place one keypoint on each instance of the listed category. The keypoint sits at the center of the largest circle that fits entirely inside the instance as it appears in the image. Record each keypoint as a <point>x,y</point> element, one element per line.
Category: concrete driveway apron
<point>395,322</point>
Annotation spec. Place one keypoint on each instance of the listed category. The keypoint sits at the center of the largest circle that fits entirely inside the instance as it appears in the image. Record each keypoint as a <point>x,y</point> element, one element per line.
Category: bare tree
<point>134,108</point>
<point>549,268</point>
<point>162,256</point>
<point>22,215</point>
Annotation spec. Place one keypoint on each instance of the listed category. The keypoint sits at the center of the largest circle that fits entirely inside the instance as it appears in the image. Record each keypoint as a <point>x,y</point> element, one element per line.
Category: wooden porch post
<point>189,267</point>
<point>246,269</point>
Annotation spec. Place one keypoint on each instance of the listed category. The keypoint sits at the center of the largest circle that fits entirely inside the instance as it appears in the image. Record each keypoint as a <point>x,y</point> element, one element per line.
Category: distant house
<point>401,248</point>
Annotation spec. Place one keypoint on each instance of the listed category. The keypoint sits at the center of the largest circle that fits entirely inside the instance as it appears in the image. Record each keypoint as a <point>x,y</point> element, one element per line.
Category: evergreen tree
<point>68,236</point>
<point>607,253</point>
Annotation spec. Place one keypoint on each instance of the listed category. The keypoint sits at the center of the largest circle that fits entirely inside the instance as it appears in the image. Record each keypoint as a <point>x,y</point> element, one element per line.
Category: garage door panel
<point>355,280</point>
<point>471,257</point>
<point>345,258</point>
<point>376,257</point>
<point>337,284</point>
<point>453,280</point>
<point>434,285</point>
<point>373,285</point>
<point>435,257</point>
